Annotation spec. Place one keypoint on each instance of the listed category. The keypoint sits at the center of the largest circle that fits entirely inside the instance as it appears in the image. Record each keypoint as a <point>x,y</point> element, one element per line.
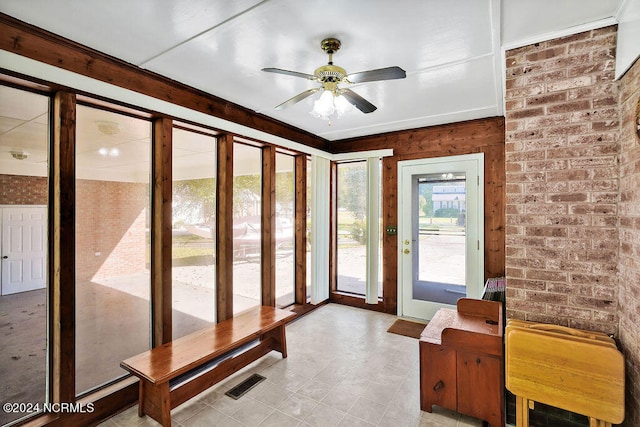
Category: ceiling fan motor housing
<point>330,75</point>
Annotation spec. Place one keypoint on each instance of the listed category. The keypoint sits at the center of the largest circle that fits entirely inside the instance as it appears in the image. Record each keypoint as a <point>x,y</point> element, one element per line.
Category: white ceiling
<point>451,50</point>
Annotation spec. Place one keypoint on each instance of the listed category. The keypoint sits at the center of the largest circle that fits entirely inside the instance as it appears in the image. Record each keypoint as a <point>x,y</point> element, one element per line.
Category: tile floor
<point>343,369</point>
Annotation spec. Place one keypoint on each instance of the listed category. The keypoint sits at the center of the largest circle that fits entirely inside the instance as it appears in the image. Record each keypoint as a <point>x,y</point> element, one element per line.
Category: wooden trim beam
<point>434,141</point>
<point>224,228</point>
<point>268,226</point>
<point>62,262</point>
<point>300,229</point>
<point>161,196</point>
<point>35,43</point>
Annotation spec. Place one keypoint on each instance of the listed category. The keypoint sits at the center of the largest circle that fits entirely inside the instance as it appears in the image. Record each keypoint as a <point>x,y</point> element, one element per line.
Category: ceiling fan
<point>330,76</point>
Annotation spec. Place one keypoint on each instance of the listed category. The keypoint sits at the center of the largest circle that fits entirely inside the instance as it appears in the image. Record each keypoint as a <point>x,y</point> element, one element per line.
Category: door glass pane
<point>112,243</point>
<point>440,255</point>
<point>352,236</point>
<point>24,117</point>
<point>285,216</point>
<point>193,242</point>
<point>247,199</point>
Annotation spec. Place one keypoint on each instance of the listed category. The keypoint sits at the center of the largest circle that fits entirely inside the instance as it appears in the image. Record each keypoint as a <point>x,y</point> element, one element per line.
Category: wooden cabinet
<point>461,361</point>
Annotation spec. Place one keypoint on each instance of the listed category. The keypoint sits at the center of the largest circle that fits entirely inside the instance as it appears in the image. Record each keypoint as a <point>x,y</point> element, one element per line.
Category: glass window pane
<point>112,243</point>
<point>193,242</point>
<point>24,123</point>
<point>247,199</point>
<point>352,249</point>
<point>285,217</point>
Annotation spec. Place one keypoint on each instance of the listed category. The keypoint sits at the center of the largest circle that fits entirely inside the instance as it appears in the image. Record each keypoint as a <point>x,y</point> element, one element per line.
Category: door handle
<point>406,251</point>
<point>5,257</point>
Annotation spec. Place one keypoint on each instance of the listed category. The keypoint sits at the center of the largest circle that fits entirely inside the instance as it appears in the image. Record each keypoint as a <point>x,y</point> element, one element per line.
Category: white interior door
<point>440,233</point>
<point>24,249</point>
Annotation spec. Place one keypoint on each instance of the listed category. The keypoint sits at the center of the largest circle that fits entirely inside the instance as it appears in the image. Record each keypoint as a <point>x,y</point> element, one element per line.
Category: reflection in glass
<point>247,199</point>
<point>24,123</point>
<point>440,255</point>
<point>285,216</point>
<point>112,243</point>
<point>193,242</point>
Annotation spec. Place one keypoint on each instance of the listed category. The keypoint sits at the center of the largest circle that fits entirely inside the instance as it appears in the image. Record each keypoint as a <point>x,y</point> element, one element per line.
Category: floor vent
<point>238,391</point>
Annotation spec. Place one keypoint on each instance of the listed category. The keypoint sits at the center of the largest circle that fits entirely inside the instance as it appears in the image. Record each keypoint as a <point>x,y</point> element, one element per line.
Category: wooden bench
<point>201,359</point>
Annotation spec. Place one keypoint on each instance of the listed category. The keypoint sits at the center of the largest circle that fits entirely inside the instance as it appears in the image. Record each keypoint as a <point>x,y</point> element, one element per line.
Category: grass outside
<point>189,246</point>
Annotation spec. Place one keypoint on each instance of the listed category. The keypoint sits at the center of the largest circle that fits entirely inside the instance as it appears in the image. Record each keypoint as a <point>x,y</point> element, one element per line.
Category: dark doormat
<point>407,328</point>
<point>238,391</point>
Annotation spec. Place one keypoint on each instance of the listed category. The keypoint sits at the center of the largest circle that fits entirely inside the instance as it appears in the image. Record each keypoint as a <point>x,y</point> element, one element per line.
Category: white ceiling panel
<point>133,30</point>
<point>451,51</point>
<point>525,20</point>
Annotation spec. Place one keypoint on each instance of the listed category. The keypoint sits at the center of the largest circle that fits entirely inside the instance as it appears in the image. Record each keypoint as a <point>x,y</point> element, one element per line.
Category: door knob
<point>406,251</point>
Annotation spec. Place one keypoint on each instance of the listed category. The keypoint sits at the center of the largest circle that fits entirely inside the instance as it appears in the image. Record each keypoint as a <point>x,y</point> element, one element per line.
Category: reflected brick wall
<point>23,190</point>
<point>111,229</point>
<point>111,222</point>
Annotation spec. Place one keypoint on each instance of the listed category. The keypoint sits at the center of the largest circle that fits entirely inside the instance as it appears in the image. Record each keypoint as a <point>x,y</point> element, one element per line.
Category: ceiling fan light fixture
<point>330,103</point>
<point>342,105</point>
<point>323,107</point>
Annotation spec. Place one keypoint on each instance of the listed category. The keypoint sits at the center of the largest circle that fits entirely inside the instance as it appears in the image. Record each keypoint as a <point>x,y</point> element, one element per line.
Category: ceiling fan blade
<point>359,102</point>
<point>299,97</point>
<point>388,73</point>
<point>290,73</point>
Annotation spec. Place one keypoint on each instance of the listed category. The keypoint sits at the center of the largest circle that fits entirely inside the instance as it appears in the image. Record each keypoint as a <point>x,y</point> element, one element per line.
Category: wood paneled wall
<point>477,136</point>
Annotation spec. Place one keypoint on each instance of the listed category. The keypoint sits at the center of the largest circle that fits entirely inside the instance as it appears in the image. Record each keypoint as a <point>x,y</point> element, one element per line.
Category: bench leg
<point>154,401</point>
<point>280,338</point>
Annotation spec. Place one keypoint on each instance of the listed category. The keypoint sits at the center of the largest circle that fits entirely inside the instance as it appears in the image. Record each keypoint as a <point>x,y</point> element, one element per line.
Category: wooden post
<point>333,230</point>
<point>268,226</point>
<point>62,257</point>
<point>224,228</point>
<point>161,231</point>
<point>300,229</point>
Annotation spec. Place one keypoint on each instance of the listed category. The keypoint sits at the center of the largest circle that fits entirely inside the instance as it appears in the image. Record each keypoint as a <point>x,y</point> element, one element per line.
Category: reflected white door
<point>440,233</point>
<point>24,249</point>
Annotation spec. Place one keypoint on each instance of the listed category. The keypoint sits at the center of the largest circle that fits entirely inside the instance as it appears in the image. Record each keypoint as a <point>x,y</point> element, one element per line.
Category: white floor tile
<point>343,369</point>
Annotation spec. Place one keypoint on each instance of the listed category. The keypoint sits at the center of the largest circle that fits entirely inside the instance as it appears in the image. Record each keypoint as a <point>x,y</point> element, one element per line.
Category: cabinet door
<point>437,377</point>
<point>480,387</point>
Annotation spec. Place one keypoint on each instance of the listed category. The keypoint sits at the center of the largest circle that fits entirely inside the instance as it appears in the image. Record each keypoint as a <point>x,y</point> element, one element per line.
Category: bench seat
<point>259,330</point>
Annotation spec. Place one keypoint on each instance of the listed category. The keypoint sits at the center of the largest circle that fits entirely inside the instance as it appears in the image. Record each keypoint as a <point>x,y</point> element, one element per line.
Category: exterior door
<point>24,249</point>
<point>440,233</point>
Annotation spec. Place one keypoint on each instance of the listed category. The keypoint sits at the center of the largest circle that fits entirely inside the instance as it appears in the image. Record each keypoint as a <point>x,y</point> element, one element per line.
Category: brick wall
<point>23,190</point>
<point>629,236</point>
<point>111,229</point>
<point>562,153</point>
